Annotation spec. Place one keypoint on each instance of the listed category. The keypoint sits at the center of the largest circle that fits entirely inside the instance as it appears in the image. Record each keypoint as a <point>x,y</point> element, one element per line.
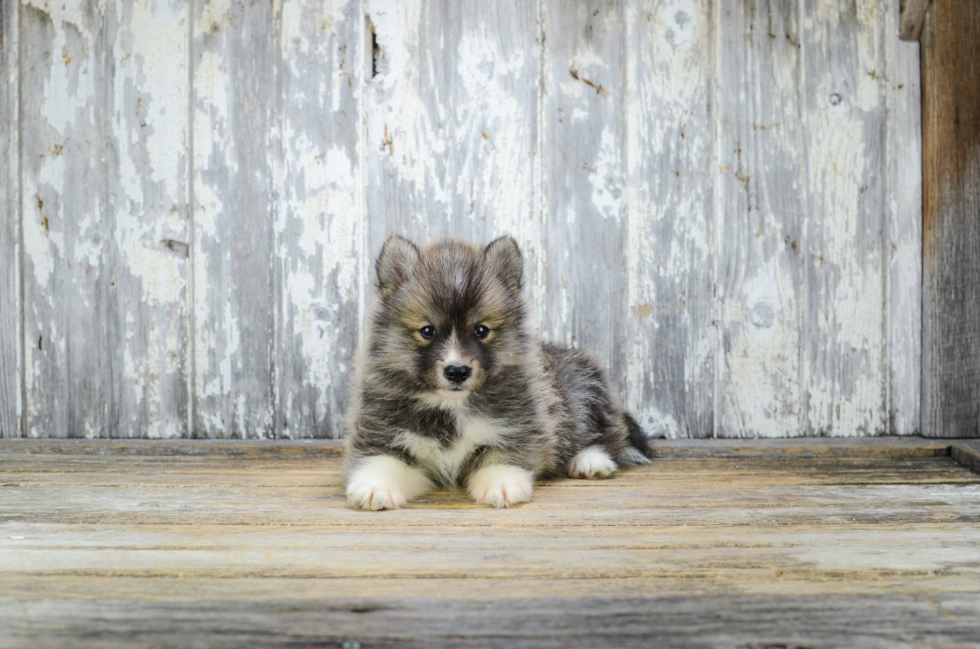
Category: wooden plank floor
<point>780,544</point>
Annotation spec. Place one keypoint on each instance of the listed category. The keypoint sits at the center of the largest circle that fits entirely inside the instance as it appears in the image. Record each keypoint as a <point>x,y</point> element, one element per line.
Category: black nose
<point>457,373</point>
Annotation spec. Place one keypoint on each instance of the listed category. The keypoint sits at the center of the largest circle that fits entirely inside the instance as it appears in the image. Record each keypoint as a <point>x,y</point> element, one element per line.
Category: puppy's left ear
<point>505,258</point>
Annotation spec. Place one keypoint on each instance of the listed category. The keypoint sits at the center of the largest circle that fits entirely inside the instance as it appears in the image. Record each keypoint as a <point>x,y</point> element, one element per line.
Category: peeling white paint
<point>607,183</point>
<point>844,363</point>
<point>215,15</point>
<point>762,395</point>
<point>670,247</point>
<point>37,244</point>
<point>635,190</point>
<point>904,194</point>
<point>162,85</point>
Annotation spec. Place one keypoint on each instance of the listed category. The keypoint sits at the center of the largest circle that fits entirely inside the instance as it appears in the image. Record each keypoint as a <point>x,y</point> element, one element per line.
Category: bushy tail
<point>639,451</point>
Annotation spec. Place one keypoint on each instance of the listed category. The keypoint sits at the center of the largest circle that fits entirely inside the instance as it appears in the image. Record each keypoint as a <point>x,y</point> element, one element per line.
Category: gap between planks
<point>966,452</point>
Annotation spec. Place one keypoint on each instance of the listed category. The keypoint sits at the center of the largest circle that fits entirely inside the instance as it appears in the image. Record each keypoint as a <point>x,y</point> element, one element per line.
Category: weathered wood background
<point>721,199</point>
<point>951,219</point>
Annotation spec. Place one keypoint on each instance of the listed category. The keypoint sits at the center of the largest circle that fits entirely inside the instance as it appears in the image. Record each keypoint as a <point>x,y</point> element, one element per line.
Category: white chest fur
<point>446,462</point>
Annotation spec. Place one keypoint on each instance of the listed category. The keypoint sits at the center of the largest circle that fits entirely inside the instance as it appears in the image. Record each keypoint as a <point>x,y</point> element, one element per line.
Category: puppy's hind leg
<point>384,482</point>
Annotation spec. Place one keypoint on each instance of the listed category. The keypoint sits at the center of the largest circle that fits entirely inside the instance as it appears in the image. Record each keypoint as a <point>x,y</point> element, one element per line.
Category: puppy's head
<point>451,316</point>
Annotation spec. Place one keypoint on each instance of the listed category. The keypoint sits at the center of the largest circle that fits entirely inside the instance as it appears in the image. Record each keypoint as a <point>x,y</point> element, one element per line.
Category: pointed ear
<point>395,263</point>
<point>504,257</point>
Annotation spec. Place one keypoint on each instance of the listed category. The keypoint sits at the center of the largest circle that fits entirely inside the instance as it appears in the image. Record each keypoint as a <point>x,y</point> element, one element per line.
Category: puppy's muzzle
<point>457,373</point>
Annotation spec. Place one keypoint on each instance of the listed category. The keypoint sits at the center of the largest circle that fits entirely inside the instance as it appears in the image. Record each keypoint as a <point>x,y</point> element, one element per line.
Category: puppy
<point>451,390</point>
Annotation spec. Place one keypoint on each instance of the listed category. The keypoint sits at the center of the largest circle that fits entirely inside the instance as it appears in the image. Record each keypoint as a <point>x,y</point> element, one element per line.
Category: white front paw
<point>383,482</point>
<point>374,496</point>
<point>501,485</point>
<point>592,462</point>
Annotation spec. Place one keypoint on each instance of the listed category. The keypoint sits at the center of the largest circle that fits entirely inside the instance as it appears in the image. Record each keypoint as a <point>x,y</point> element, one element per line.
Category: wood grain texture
<point>913,17</point>
<point>946,619</point>
<point>146,159</point>
<point>104,210</point>
<point>762,207</point>
<point>967,454</point>
<point>68,290</point>
<point>903,207</point>
<point>320,229</point>
<point>234,217</point>
<point>786,542</point>
<point>845,121</point>
<point>583,180</point>
<point>951,229</point>
<point>672,217</point>
<point>11,311</point>
<point>452,124</point>
<point>200,212</point>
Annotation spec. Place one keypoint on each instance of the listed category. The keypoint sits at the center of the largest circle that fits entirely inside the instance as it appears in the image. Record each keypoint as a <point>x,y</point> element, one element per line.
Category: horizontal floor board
<point>734,545</point>
<point>937,620</point>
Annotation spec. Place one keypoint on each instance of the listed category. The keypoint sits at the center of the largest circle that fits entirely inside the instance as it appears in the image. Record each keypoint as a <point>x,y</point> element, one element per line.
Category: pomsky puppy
<point>451,390</point>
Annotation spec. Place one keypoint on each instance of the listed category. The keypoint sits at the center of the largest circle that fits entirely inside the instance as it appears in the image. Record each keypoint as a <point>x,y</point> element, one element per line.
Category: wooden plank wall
<point>721,200</point>
<point>951,219</point>
<point>234,122</point>
<point>11,403</point>
<point>672,218</point>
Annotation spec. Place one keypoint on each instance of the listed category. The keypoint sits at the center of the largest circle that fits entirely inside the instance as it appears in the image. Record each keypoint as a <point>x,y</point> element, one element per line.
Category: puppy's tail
<point>638,451</point>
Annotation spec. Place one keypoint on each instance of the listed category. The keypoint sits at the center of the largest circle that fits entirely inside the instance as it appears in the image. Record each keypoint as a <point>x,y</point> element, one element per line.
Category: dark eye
<point>481,331</point>
<point>428,332</point>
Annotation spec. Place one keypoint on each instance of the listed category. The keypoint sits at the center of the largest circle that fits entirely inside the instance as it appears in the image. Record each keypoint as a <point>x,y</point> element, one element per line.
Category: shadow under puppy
<point>451,389</point>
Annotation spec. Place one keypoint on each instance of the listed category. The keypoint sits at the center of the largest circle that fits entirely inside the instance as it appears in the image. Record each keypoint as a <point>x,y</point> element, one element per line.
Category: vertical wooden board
<point>452,123</point>
<point>64,194</point>
<point>760,218</point>
<point>145,156</point>
<point>904,213</point>
<point>103,205</point>
<point>234,54</point>
<point>845,121</point>
<point>320,218</point>
<point>951,227</point>
<point>584,180</point>
<point>10,297</point>
<point>670,147</point>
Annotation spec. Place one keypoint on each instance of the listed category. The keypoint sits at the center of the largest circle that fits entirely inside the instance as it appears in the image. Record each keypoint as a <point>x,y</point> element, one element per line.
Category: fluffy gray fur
<point>526,409</point>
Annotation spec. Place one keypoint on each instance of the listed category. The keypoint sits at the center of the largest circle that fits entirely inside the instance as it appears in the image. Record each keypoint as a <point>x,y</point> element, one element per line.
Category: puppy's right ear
<point>395,263</point>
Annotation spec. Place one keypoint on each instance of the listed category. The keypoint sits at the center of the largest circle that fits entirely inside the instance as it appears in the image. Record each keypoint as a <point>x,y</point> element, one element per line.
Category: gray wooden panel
<point>657,160</point>
<point>11,405</point>
<point>104,214</point>
<point>320,229</point>
<point>951,227</point>
<point>583,182</point>
<point>233,250</point>
<point>844,119</point>
<point>146,249</point>
<point>64,207</point>
<point>903,207</point>
<point>760,219</point>
<point>670,248</point>
<point>452,124</point>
